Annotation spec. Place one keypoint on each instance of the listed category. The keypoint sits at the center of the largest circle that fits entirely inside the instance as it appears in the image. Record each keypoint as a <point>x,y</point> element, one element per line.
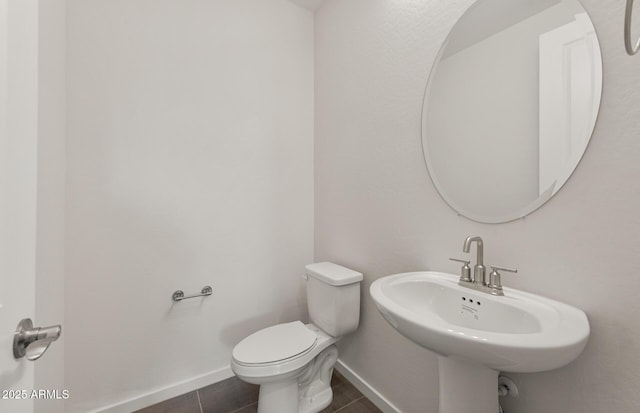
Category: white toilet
<point>293,362</point>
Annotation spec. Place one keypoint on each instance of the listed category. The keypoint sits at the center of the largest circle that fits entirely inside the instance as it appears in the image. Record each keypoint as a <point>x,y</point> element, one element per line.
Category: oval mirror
<point>510,105</point>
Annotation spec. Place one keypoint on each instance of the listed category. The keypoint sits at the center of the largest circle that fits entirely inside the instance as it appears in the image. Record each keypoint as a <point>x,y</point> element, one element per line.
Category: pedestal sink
<point>477,335</point>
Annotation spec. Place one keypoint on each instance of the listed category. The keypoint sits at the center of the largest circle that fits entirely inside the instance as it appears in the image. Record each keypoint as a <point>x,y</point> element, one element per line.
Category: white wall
<point>377,211</point>
<point>189,162</point>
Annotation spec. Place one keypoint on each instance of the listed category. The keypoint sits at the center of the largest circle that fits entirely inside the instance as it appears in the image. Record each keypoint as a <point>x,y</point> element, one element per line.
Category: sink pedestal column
<point>466,387</point>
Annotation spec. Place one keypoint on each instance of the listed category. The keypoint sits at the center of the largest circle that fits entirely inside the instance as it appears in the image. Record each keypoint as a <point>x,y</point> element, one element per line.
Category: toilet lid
<point>276,343</point>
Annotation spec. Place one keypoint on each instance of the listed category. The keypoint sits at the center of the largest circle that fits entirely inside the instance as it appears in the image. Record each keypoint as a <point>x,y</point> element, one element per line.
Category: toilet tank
<point>333,297</point>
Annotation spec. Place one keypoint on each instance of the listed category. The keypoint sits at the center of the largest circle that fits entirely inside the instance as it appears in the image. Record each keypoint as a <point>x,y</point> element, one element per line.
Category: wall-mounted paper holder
<point>178,295</point>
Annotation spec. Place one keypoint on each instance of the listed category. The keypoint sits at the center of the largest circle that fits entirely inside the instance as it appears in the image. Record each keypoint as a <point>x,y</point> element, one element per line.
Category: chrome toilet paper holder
<point>178,295</point>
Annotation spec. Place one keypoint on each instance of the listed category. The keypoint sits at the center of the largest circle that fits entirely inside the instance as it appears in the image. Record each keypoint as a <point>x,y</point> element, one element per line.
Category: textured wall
<point>189,162</point>
<point>377,211</point>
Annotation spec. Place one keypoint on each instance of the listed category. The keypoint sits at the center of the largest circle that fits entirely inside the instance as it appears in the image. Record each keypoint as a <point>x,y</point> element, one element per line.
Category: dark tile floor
<point>235,396</point>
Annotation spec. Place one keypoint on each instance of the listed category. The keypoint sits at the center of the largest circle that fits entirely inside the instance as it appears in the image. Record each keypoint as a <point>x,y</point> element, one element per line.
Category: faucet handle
<point>496,268</point>
<point>495,282</point>
<point>465,271</point>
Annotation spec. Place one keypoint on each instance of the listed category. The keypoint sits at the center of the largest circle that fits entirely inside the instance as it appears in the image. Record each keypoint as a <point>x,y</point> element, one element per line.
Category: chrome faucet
<point>479,270</point>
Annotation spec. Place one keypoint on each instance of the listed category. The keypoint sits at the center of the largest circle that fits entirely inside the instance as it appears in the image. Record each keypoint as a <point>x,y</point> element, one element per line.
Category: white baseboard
<point>366,389</point>
<point>164,393</point>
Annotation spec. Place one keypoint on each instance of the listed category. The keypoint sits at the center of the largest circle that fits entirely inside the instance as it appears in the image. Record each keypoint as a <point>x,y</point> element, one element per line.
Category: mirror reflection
<point>510,105</point>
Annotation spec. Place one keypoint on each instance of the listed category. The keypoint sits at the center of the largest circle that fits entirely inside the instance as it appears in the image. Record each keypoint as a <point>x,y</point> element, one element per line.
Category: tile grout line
<point>349,404</point>
<point>199,402</point>
<point>244,407</point>
<point>338,386</point>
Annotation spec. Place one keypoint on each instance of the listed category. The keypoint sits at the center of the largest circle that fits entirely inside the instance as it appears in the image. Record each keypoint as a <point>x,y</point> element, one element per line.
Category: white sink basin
<point>519,332</point>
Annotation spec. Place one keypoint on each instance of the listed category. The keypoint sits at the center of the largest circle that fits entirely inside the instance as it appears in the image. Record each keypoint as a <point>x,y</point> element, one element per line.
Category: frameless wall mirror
<point>510,105</point>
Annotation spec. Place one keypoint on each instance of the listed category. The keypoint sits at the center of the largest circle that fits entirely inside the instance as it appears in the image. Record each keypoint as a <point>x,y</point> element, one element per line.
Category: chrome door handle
<point>33,342</point>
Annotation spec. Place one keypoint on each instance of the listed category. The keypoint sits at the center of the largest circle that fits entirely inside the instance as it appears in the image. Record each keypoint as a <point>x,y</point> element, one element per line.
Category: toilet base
<point>308,392</point>
<point>316,403</point>
<point>282,397</point>
<point>279,396</point>
<point>315,383</point>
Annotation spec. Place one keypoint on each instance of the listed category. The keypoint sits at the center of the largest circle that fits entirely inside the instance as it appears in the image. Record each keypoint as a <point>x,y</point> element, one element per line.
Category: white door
<point>20,113</point>
<point>569,98</point>
<point>18,185</point>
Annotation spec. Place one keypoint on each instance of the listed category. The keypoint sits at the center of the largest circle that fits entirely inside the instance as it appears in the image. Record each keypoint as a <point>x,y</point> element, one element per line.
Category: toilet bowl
<point>296,357</point>
<point>293,362</point>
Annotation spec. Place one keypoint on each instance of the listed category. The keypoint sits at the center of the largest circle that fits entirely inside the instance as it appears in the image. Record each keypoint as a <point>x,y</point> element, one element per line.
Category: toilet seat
<point>293,365</point>
<point>275,345</point>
